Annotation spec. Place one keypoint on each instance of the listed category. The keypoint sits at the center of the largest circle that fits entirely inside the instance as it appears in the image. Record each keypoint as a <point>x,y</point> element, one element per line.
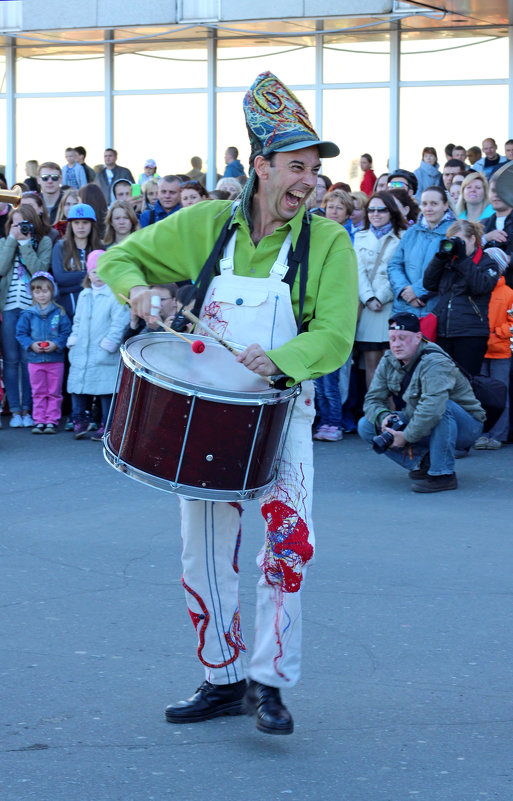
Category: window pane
<point>239,66</point>
<point>169,129</point>
<point>358,121</point>
<point>2,73</point>
<point>60,73</point>
<point>161,69</point>
<point>231,126</point>
<point>3,143</point>
<point>45,127</point>
<point>455,59</point>
<point>356,62</point>
<point>425,104</point>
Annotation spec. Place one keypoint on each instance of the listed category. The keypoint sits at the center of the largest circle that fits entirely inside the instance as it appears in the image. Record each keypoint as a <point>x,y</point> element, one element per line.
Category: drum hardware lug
<point>209,457</point>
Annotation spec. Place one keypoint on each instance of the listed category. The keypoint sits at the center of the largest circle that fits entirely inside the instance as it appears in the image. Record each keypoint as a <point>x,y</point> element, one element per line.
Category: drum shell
<point>196,443</point>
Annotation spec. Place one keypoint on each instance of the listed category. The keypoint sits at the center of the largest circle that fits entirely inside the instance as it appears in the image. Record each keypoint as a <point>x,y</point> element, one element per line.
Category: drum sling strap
<point>297,260</point>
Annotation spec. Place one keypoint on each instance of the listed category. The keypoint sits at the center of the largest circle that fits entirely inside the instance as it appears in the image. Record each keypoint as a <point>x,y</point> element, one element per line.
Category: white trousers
<point>211,533</point>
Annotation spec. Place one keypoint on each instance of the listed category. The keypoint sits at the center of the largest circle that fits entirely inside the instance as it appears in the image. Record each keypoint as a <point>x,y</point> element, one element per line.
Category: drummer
<point>267,237</point>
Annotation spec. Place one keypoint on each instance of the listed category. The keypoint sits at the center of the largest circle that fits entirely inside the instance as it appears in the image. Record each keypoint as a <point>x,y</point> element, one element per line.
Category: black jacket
<point>464,290</point>
<point>490,224</point>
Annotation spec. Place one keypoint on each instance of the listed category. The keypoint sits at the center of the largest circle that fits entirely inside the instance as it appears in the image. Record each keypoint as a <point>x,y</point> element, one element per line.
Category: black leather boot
<point>272,716</point>
<point>209,701</point>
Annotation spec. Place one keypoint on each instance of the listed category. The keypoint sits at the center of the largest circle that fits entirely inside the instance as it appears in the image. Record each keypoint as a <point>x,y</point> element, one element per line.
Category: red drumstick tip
<point>198,346</point>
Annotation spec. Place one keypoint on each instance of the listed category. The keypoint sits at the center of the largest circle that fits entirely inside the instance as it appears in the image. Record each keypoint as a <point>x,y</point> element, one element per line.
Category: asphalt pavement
<point>407,686</point>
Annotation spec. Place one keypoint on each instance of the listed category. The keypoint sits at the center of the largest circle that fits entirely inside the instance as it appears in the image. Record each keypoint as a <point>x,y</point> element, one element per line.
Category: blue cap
<point>81,211</point>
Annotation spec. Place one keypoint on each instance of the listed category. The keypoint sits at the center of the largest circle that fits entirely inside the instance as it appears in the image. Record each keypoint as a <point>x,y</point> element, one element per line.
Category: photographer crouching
<point>438,412</point>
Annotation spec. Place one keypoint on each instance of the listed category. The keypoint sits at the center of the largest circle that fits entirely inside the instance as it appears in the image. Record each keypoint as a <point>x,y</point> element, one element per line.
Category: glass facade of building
<point>175,93</point>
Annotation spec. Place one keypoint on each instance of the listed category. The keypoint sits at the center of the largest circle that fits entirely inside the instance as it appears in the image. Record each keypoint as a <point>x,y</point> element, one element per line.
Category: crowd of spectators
<point>397,222</point>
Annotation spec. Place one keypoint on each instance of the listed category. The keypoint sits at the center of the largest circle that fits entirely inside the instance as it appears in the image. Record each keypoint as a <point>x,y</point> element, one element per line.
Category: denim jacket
<point>43,325</point>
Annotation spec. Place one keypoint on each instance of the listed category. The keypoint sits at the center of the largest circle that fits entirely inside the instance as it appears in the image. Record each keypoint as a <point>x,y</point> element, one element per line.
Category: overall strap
<point>298,260</point>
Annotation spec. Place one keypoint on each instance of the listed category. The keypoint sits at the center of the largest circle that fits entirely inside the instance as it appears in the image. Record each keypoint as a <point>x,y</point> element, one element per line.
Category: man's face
<point>286,183</point>
<point>80,158</point>
<point>71,157</point>
<point>498,205</point>
<point>169,194</point>
<point>123,191</point>
<point>448,175</point>
<point>459,153</point>
<point>227,157</point>
<point>489,148</point>
<point>509,152</point>
<point>50,180</point>
<point>109,159</point>
<point>404,344</point>
<point>398,182</point>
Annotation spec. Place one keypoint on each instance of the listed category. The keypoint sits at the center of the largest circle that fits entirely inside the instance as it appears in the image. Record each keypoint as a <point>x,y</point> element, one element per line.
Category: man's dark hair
<point>81,150</point>
<point>455,163</point>
<point>407,176</point>
<point>509,142</point>
<point>460,147</point>
<point>50,165</point>
<point>196,162</point>
<point>448,150</point>
<point>111,149</point>
<point>234,153</point>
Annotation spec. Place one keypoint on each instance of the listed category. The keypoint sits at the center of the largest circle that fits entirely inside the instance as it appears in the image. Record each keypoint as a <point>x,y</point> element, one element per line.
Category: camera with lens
<point>383,441</point>
<point>451,248</point>
<point>26,227</point>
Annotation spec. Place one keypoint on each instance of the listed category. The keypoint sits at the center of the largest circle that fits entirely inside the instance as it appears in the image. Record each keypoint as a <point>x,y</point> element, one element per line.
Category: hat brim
<point>327,150</point>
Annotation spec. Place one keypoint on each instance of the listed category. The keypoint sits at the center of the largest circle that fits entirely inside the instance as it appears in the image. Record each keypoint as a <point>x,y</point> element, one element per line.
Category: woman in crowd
<point>414,252</point>
<point>230,185</point>
<point>24,251</point>
<point>149,191</point>
<point>357,217</point>
<point>338,206</point>
<point>473,203</point>
<point>374,246</point>
<point>407,205</point>
<point>463,280</point>
<point>427,172</point>
<point>455,191</point>
<point>92,195</point>
<point>35,200</point>
<point>192,192</point>
<point>70,254</point>
<point>381,183</point>
<point>369,178</point>
<point>70,198</point>
<point>121,221</point>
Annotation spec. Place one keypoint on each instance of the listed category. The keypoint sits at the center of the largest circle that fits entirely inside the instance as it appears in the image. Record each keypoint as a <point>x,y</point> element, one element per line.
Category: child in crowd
<point>328,402</point>
<point>497,358</point>
<point>94,342</point>
<point>43,330</point>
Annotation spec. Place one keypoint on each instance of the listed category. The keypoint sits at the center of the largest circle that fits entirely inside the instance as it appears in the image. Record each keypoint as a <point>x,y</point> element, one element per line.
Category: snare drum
<point>199,425</point>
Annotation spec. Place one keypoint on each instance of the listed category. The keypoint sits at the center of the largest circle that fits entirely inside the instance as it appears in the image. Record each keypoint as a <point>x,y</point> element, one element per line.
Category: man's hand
<point>496,236</point>
<point>255,359</point>
<point>400,440</point>
<point>140,302</point>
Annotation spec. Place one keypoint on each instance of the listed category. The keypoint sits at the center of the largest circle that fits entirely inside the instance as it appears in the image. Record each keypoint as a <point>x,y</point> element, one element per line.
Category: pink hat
<point>92,259</point>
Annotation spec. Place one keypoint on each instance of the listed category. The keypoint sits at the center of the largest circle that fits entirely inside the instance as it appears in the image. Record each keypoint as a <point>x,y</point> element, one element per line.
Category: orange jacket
<point>499,346</point>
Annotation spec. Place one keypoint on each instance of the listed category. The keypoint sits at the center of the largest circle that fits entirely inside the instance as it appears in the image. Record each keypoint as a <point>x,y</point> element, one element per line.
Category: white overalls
<point>247,310</point>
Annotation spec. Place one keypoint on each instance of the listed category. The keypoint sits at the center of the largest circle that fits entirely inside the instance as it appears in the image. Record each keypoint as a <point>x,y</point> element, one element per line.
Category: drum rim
<point>265,395</point>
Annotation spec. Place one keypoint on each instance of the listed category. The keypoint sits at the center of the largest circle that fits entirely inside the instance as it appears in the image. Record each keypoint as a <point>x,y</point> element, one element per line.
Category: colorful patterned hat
<point>277,122</point>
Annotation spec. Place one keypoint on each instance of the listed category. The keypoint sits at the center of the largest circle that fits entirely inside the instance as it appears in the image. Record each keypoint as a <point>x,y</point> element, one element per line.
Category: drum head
<point>172,360</point>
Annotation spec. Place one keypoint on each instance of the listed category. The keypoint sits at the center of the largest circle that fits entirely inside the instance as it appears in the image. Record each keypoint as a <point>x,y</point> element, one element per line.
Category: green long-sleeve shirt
<point>177,247</point>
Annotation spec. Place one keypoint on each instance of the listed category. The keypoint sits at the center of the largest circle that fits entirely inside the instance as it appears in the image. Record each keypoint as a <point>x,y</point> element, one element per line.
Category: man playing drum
<point>299,333</point>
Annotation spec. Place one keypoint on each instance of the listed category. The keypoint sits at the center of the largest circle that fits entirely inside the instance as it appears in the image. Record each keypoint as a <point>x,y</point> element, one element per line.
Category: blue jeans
<point>456,430</point>
<point>328,401</point>
<point>79,404</point>
<point>15,365</point>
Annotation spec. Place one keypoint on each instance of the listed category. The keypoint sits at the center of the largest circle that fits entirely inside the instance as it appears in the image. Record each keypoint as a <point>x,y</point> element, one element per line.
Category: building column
<point>10,113</point>
<point>108,57</point>
<point>510,82</point>
<point>211,109</point>
<point>395,105</point>
<point>319,78</point>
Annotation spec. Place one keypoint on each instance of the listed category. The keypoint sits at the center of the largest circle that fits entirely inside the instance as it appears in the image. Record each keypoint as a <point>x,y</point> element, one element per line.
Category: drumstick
<point>192,317</point>
<point>163,325</point>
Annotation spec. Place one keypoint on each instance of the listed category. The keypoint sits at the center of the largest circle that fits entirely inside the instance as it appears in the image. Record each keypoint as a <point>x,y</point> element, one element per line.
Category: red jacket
<point>367,184</point>
<point>500,321</point>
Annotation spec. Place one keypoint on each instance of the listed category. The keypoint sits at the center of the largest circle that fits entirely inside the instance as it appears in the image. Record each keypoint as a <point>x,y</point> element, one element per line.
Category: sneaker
<point>92,426</point>
<point>422,470</point>
<point>481,443</point>
<point>98,435</point>
<point>27,420</point>
<point>39,429</point>
<point>80,429</point>
<point>69,425</point>
<point>332,434</point>
<point>50,428</point>
<point>493,445</point>
<point>319,434</point>
<point>16,421</point>
<point>436,483</point>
